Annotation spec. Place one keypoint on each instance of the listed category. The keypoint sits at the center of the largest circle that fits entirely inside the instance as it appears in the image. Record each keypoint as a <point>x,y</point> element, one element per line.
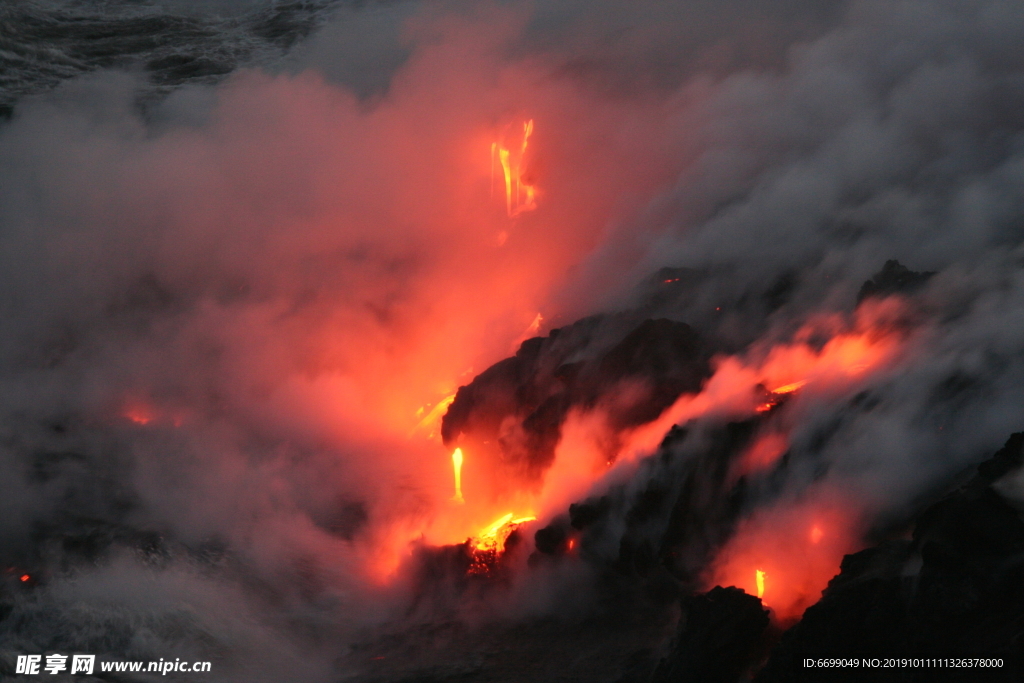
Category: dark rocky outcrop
<point>955,589</point>
<point>720,635</point>
<point>515,408</point>
<point>672,524</point>
<point>894,278</point>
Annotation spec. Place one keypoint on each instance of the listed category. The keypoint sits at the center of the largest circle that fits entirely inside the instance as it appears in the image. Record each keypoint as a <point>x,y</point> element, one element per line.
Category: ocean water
<point>172,44</point>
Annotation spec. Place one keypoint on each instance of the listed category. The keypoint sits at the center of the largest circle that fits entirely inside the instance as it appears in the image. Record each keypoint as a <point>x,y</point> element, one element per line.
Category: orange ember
<point>25,577</point>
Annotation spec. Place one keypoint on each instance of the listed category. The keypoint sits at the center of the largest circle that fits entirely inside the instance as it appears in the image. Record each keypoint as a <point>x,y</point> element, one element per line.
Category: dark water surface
<point>44,43</point>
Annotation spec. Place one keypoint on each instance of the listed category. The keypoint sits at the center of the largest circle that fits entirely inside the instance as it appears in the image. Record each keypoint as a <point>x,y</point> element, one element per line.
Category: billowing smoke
<point>234,313</point>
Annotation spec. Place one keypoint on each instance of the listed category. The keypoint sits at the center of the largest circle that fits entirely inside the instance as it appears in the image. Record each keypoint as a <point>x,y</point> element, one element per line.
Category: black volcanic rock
<point>582,515</point>
<point>550,539</point>
<point>955,590</point>
<point>894,278</point>
<point>514,410</point>
<point>668,355</point>
<point>671,524</point>
<point>719,637</point>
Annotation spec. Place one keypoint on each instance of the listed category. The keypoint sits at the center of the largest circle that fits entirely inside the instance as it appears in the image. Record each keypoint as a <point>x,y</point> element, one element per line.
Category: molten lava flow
<point>789,388</point>
<point>489,545</point>
<point>759,579</point>
<point>520,195</point>
<point>737,387</point>
<point>430,421</point>
<point>775,395</point>
<point>457,465</point>
<point>494,535</point>
<point>489,538</point>
<point>506,168</point>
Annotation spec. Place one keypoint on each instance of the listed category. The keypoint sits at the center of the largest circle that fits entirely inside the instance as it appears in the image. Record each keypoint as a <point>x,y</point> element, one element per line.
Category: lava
<point>799,546</point>
<point>775,396</point>
<point>139,413</point>
<point>489,545</point>
<point>430,421</point>
<point>854,350</point>
<point>520,195</point>
<point>457,466</point>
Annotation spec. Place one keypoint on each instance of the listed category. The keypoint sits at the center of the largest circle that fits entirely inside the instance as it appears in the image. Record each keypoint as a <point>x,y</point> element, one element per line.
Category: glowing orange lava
<point>457,466</point>
<point>848,357</point>
<point>429,422</point>
<point>759,579</point>
<point>789,388</point>
<point>520,195</point>
<point>489,545</point>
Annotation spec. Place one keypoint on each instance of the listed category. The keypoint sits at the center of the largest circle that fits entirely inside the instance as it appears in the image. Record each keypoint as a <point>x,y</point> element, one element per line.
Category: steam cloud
<point>221,315</point>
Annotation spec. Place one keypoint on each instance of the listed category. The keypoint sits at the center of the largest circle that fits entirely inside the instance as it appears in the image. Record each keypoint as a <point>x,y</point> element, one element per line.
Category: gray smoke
<point>239,260</point>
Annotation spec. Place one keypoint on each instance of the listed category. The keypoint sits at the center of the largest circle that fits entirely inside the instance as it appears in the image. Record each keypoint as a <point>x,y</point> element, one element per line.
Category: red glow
<point>764,453</point>
<point>145,413</point>
<point>25,577</point>
<point>139,414</point>
<point>796,565</point>
<point>848,357</point>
